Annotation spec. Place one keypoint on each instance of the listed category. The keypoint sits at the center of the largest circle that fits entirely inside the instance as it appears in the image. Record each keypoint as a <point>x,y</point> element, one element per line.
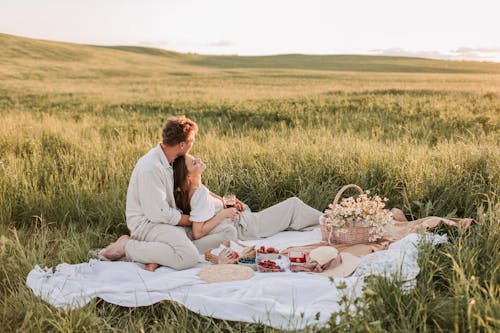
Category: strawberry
<point>270,249</point>
<point>235,255</point>
<point>262,249</point>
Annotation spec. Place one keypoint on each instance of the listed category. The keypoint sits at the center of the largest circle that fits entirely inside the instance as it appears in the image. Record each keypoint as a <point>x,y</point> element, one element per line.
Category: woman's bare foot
<point>151,267</point>
<point>116,250</point>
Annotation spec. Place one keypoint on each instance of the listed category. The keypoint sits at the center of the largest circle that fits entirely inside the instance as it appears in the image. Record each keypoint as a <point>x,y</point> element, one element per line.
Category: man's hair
<point>177,130</point>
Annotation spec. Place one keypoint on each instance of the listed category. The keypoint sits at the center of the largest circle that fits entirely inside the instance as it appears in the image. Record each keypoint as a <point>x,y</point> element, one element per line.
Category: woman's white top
<point>203,205</point>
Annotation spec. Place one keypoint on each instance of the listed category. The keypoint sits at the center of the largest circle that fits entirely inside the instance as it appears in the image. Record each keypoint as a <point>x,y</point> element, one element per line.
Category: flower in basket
<point>362,211</point>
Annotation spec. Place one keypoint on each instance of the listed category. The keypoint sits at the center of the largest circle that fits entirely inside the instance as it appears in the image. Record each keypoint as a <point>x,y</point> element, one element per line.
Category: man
<point>157,228</point>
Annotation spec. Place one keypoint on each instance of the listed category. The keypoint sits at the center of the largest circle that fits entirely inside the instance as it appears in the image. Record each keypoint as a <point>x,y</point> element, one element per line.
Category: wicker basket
<point>345,235</point>
<point>249,252</point>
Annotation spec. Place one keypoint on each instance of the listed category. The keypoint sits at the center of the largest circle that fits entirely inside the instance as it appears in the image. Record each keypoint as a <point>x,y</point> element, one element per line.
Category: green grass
<point>75,119</point>
<point>355,63</point>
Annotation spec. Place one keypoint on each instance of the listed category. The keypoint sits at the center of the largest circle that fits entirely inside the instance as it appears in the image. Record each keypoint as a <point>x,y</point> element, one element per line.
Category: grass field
<point>424,133</point>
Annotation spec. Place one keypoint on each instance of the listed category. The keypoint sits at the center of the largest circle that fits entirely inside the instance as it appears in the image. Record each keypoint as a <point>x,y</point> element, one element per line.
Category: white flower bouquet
<point>355,220</point>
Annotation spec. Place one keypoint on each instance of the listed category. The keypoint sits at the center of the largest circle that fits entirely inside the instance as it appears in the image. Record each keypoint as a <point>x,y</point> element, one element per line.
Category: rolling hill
<point>29,66</point>
<point>14,47</point>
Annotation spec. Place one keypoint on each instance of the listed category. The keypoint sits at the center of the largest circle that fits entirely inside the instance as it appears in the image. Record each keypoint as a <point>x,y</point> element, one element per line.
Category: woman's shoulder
<point>201,193</point>
<point>201,208</point>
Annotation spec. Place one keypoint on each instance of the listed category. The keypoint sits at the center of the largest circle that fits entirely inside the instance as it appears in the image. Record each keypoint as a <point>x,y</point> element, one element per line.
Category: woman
<point>209,216</point>
<point>211,221</point>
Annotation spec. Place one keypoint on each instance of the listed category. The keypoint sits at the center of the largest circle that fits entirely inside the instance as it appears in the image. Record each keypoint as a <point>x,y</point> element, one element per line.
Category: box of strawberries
<point>269,260</point>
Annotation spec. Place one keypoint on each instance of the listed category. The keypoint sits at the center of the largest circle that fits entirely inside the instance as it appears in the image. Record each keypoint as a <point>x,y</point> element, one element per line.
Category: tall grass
<point>70,136</point>
<point>64,176</point>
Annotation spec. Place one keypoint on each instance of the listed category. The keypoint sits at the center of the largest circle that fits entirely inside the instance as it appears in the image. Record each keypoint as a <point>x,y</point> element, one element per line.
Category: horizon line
<point>382,52</point>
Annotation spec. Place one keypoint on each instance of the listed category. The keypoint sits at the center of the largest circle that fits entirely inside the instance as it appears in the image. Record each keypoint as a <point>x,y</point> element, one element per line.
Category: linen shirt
<point>203,205</point>
<point>150,195</point>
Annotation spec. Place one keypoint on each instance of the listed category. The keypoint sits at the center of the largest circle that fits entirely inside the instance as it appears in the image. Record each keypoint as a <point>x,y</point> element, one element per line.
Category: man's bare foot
<point>116,250</point>
<point>151,267</point>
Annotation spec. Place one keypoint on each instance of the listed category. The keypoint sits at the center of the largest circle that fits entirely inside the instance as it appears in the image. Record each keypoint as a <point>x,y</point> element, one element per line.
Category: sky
<point>443,29</point>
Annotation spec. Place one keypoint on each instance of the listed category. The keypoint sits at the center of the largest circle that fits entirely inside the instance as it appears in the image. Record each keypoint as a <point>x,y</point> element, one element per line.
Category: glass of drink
<point>229,200</point>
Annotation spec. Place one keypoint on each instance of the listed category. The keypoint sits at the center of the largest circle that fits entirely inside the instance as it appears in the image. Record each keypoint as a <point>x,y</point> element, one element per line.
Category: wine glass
<point>229,200</point>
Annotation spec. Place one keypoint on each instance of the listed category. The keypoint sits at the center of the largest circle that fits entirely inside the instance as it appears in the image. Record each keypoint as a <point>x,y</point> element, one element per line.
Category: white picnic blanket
<point>284,300</point>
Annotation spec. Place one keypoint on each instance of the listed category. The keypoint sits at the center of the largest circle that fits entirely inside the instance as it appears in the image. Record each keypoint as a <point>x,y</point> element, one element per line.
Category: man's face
<point>185,146</point>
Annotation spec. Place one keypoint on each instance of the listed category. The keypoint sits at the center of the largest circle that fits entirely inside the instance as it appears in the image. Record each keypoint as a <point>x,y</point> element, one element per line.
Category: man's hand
<point>184,221</point>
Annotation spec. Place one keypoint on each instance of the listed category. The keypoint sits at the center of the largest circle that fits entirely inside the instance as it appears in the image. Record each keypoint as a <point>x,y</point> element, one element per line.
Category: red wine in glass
<point>229,200</point>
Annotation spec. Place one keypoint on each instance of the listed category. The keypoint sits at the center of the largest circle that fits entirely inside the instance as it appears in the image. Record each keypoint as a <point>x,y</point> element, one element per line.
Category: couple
<point>172,216</point>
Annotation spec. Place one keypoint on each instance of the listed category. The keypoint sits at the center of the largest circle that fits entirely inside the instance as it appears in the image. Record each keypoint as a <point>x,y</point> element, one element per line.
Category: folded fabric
<point>393,232</point>
<point>400,229</point>
<point>318,260</point>
<point>327,261</point>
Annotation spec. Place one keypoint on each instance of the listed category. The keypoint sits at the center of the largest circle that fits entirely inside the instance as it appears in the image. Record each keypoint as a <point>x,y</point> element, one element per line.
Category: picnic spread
<point>284,299</point>
<point>289,280</point>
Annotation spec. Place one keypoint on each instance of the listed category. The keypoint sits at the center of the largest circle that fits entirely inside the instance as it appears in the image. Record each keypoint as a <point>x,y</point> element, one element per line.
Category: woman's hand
<point>229,213</point>
<point>201,229</point>
<point>240,206</point>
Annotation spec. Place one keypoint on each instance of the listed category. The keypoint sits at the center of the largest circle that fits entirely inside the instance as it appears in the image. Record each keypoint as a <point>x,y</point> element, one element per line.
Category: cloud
<point>479,49</point>
<point>461,53</point>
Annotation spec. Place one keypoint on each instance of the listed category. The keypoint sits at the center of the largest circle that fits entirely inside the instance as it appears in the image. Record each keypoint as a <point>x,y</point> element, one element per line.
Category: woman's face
<point>195,166</point>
